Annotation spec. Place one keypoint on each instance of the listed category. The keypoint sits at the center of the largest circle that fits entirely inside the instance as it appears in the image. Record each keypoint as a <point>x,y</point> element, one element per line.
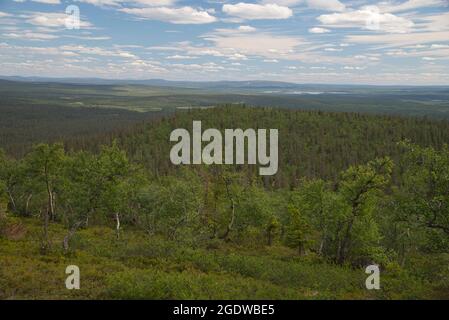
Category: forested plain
<point>352,190</point>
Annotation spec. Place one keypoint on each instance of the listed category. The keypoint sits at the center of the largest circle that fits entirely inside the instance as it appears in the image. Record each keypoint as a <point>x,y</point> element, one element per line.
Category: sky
<point>303,41</point>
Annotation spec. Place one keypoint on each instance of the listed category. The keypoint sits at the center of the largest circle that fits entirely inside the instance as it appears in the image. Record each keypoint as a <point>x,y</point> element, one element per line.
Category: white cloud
<point>399,40</point>
<point>29,35</point>
<point>126,46</point>
<point>318,30</point>
<point>98,51</point>
<point>239,30</point>
<point>246,29</point>
<point>416,46</point>
<point>182,15</point>
<point>250,11</point>
<point>30,51</point>
<point>440,46</point>
<point>101,3</point>
<point>435,22</point>
<point>270,46</point>
<point>333,49</point>
<point>285,3</point>
<point>145,3</point>
<point>238,46</point>
<point>369,18</point>
<point>325,5</point>
<point>266,45</point>
<point>237,56</point>
<point>411,5</point>
<point>185,48</point>
<point>434,53</point>
<point>199,51</point>
<point>54,61</point>
<point>48,1</point>
<point>420,35</point>
<point>179,57</point>
<point>205,67</point>
<point>52,20</point>
<point>152,3</point>
<point>353,68</point>
<point>92,38</point>
<point>328,5</point>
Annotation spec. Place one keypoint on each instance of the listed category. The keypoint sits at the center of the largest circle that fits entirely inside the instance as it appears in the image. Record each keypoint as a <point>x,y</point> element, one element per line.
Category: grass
<point>142,267</point>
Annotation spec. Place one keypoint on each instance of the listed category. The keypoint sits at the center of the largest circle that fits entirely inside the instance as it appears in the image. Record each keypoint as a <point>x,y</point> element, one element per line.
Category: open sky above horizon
<point>303,41</point>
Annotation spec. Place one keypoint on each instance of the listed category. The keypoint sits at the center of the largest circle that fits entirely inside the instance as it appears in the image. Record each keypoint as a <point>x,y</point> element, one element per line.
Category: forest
<point>352,190</point>
<point>49,111</point>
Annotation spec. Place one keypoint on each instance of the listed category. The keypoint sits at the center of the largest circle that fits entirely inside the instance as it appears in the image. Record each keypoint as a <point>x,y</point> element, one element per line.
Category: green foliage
<point>155,284</point>
<point>297,235</point>
<point>3,176</point>
<point>323,208</point>
<point>139,267</point>
<point>360,188</point>
<point>187,231</point>
<point>424,195</point>
<point>340,223</point>
<point>172,206</point>
<point>312,144</point>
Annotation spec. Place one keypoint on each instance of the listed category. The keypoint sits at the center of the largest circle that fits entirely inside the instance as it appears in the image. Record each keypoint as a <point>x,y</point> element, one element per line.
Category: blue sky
<point>304,41</point>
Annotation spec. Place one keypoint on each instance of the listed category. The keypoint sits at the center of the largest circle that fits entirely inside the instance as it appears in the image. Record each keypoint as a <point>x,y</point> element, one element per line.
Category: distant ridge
<point>212,85</point>
<point>158,82</point>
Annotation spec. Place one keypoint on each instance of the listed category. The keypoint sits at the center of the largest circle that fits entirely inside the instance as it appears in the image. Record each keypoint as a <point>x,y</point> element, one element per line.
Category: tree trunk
<point>28,203</point>
<point>345,243</point>
<point>320,250</point>
<point>68,237</point>
<point>50,208</point>
<point>45,241</point>
<point>53,206</point>
<point>12,201</point>
<point>323,240</point>
<point>117,227</point>
<point>231,223</point>
<point>301,250</point>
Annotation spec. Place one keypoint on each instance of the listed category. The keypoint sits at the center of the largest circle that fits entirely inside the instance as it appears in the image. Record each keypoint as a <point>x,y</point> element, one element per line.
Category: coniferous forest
<point>352,190</point>
<point>224,158</point>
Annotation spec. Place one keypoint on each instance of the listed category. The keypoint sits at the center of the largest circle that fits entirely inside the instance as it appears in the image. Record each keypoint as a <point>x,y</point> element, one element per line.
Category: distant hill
<point>160,82</point>
<point>33,111</point>
<point>218,85</point>
<point>312,144</point>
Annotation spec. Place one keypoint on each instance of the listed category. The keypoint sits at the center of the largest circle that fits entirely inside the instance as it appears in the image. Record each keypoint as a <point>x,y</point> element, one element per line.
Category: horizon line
<point>54,78</point>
